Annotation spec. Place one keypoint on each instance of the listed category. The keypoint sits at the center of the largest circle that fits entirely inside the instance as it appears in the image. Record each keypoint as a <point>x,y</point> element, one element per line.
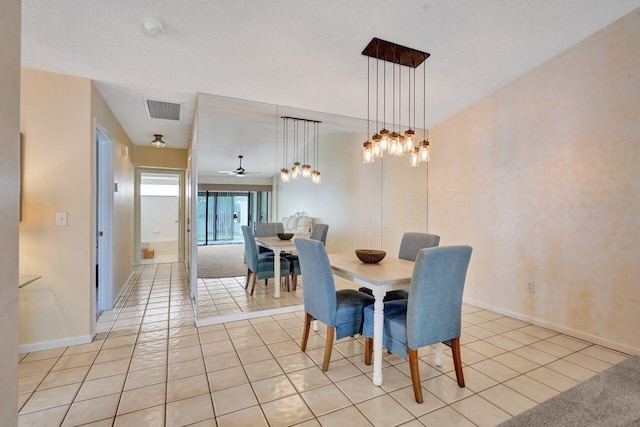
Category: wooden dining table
<point>390,273</point>
<point>276,245</point>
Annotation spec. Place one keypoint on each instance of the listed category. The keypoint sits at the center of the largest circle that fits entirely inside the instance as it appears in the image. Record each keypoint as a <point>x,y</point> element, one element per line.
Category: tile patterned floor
<point>149,366</point>
<point>228,296</point>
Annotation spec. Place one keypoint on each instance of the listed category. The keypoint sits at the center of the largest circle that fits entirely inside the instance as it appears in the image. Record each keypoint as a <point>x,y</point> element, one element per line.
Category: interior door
<point>105,294</point>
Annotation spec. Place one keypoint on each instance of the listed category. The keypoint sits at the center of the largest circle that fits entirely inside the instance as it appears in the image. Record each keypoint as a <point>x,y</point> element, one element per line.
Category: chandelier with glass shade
<point>395,142</point>
<point>297,131</point>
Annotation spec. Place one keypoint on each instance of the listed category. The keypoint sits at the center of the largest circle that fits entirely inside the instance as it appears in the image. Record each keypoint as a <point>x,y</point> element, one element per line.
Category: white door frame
<point>192,226</point>
<point>137,212</point>
<point>104,218</point>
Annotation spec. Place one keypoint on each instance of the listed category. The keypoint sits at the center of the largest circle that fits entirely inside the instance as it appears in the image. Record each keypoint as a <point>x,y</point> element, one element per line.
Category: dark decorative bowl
<point>285,236</point>
<point>370,256</point>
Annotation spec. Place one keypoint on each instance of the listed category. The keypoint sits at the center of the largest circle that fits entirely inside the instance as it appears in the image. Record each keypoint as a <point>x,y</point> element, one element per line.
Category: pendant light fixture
<point>409,134</point>
<point>424,144</point>
<point>297,169</point>
<point>384,133</point>
<point>396,142</point>
<point>315,173</point>
<point>306,167</point>
<point>285,176</point>
<point>158,142</point>
<point>371,148</point>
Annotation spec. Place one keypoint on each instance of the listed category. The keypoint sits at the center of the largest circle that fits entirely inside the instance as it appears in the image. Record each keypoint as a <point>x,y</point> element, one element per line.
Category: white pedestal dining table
<point>276,245</point>
<point>390,273</point>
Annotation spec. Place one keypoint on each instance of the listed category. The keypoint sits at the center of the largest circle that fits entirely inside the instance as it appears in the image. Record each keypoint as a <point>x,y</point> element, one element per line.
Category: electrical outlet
<point>531,287</point>
<point>61,219</point>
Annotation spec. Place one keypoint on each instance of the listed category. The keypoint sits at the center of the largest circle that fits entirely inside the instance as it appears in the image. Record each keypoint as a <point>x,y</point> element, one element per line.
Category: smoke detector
<point>152,26</point>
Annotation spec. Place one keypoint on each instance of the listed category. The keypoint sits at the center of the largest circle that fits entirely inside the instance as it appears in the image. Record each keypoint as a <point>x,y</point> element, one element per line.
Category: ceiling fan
<point>239,172</point>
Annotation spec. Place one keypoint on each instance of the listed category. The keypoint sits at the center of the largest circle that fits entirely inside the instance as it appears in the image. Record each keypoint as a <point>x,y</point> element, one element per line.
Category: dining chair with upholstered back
<point>340,311</point>
<point>260,266</point>
<point>410,244</point>
<point>431,315</point>
<point>267,229</point>
<point>319,233</point>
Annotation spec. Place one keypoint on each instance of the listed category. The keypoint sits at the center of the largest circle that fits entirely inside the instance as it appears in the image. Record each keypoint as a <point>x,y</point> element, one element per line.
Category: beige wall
<point>9,173</point>
<point>175,158</point>
<point>57,120</point>
<point>56,123</point>
<point>541,178</point>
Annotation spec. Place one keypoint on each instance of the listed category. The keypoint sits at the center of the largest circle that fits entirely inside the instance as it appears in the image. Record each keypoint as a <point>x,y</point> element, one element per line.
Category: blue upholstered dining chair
<point>409,246</point>
<point>319,233</point>
<point>260,266</point>
<point>266,229</point>
<point>431,315</point>
<point>341,311</point>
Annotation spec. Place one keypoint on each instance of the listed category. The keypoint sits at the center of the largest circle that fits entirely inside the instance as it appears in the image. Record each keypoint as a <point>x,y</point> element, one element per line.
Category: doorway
<point>160,217</point>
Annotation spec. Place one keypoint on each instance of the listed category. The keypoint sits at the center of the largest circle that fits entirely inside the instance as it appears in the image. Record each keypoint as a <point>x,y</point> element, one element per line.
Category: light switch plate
<point>61,219</point>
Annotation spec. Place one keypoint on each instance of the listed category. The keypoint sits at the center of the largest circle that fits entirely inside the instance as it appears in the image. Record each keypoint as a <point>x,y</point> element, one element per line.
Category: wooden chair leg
<point>415,374</point>
<point>327,348</point>
<point>294,279</point>
<point>368,350</point>
<point>305,333</point>
<point>286,282</point>
<point>457,360</point>
<point>246,285</point>
<point>253,285</point>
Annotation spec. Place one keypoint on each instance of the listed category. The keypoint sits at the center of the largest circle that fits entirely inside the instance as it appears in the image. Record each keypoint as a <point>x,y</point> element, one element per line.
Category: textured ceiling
<point>296,54</point>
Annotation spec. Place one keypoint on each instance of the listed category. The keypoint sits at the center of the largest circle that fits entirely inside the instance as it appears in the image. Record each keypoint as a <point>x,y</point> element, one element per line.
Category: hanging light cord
<point>414,96</point>
<point>384,93</point>
<point>399,96</point>
<point>393,103</point>
<point>409,94</point>
<point>295,148</point>
<point>368,96</point>
<point>315,138</point>
<point>306,143</point>
<point>424,99</point>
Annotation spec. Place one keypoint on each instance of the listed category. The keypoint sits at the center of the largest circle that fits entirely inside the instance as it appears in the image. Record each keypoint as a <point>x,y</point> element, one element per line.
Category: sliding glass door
<point>221,213</point>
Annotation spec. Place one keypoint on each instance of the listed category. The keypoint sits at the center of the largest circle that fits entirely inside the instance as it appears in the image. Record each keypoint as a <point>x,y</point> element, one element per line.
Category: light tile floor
<point>149,366</point>
<point>228,296</point>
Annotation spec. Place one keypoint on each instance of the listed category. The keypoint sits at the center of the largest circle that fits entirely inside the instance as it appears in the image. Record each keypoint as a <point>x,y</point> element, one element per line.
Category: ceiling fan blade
<point>239,172</point>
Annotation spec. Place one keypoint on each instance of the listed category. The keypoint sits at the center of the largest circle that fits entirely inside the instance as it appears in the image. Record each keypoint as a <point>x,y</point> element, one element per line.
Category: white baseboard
<point>624,348</point>
<point>234,317</point>
<point>123,288</point>
<point>49,345</point>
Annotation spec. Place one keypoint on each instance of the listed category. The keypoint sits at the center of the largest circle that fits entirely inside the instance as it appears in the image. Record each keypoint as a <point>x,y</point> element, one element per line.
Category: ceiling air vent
<point>163,110</point>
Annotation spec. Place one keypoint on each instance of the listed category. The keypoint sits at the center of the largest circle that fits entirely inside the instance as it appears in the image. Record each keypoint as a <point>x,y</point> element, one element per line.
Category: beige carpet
<point>216,261</point>
<point>611,398</point>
